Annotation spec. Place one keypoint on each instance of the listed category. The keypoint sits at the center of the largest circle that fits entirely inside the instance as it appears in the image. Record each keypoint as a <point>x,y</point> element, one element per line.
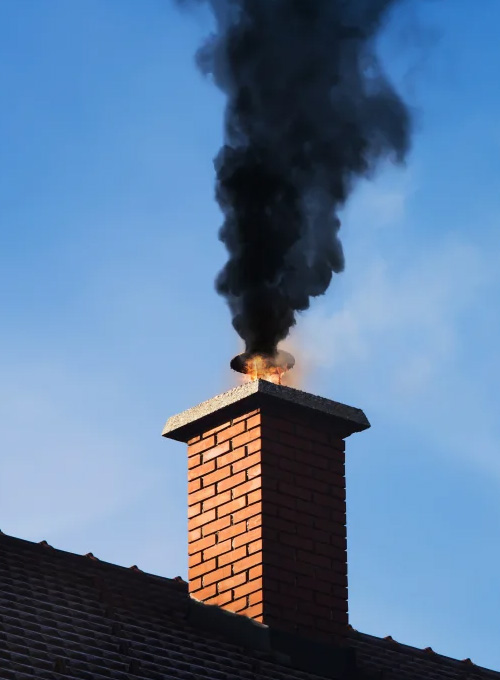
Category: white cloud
<point>402,336</point>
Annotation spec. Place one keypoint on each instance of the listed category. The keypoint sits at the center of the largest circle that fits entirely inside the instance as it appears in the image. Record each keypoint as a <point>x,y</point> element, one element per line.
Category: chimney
<point>266,506</point>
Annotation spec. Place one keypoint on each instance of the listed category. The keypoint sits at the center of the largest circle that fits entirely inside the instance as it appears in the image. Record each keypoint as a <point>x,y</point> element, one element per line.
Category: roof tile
<point>88,620</point>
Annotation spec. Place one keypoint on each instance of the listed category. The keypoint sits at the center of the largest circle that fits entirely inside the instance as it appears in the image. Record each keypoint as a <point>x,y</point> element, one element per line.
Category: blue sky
<point>108,252</point>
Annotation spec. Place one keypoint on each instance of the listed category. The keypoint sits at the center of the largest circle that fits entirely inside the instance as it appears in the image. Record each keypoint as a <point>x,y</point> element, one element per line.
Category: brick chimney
<point>267,513</point>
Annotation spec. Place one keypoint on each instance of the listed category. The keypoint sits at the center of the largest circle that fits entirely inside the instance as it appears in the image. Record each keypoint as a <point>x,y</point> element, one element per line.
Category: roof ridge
<point>176,581</point>
<point>427,652</point>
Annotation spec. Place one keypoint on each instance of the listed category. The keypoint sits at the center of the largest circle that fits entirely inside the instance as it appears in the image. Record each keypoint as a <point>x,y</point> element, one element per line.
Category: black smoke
<point>309,111</point>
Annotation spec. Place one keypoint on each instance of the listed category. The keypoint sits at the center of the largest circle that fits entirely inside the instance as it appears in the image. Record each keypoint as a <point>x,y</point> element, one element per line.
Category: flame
<point>260,367</point>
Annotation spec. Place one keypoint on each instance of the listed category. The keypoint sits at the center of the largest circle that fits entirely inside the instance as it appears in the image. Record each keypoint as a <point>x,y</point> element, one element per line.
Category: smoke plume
<point>309,111</point>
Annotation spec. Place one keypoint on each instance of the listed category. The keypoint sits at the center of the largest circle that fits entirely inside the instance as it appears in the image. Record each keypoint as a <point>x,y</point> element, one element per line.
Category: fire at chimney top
<point>270,367</point>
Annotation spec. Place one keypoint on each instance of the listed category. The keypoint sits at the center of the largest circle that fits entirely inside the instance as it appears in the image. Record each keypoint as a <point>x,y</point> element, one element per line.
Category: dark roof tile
<point>76,617</point>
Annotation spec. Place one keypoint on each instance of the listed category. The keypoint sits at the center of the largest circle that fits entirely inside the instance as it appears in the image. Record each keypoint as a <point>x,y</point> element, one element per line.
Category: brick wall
<point>267,534</point>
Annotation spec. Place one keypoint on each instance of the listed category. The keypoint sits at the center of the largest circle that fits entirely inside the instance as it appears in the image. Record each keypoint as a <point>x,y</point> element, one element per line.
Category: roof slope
<point>402,662</point>
<point>64,615</point>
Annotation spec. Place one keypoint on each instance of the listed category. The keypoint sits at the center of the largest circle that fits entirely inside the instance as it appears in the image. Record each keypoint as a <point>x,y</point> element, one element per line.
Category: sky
<point>110,320</point>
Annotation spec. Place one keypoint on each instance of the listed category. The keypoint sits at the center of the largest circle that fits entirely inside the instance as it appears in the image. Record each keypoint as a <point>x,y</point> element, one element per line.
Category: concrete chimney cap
<point>189,423</point>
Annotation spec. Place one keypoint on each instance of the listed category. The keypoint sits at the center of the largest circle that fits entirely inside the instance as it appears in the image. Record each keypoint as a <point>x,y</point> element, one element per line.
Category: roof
<point>69,616</point>
<point>403,662</point>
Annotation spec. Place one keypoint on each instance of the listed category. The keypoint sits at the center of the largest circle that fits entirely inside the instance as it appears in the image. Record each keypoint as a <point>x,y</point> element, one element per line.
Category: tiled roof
<point>75,617</point>
<point>401,662</point>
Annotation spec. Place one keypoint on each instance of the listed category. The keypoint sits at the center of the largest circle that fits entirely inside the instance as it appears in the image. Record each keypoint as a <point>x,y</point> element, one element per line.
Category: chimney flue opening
<point>257,366</point>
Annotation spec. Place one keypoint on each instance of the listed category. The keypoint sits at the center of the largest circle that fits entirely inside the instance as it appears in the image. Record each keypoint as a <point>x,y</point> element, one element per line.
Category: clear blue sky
<point>110,322</point>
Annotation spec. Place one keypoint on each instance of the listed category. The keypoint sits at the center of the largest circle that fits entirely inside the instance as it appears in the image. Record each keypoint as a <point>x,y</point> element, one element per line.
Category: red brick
<point>255,521</point>
<point>193,461</point>
<point>255,471</point>
<point>231,507</point>
<point>337,444</point>
<point>231,582</point>
<point>194,510</point>
<point>247,563</point>
<point>204,594</point>
<point>194,485</point>
<point>201,470</point>
<point>220,600</point>
<point>284,576</point>
<point>315,460</point>
<point>247,537</point>
<point>231,556</point>
<point>279,524</point>
<point>230,432</point>
<point>194,535</point>
<point>201,446</point>
<point>195,584</point>
<point>249,461</point>
<point>313,609</point>
<point>248,512</point>
<point>217,526</point>
<point>316,535</point>
<point>320,456</point>
<point>316,560</point>
<point>312,434</point>
<point>256,597</point>
<point>280,500</point>
<point>246,416</point>
<point>238,605</point>
<point>295,491</point>
<point>231,481</point>
<point>202,518</point>
<point>339,542</point>
<point>271,481</point>
<point>255,572</point>
<point>194,560</point>
<point>306,508</point>
<point>283,552</point>
<point>279,424</point>
<point>233,530</point>
<point>217,549</point>
<point>216,451</point>
<point>297,444</point>
<point>336,603</point>
<point>248,587</point>
<point>201,495</point>
<point>231,457</point>
<point>246,488</point>
<point>246,437</point>
<point>255,546</point>
<point>254,497</point>
<point>217,500</point>
<point>193,440</point>
<point>255,613</point>
<point>313,484</point>
<point>335,524</point>
<point>338,492</point>
<point>254,447</point>
<point>217,476</point>
<point>217,429</point>
<point>296,541</point>
<point>217,575</point>
<point>202,569</point>
<point>254,421</point>
<point>202,544</point>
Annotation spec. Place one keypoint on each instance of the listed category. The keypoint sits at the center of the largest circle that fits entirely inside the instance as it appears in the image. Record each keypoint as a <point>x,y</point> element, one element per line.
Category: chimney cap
<point>188,424</point>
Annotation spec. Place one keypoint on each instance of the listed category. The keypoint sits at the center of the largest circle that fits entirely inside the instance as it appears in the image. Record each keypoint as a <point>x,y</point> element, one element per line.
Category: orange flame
<point>260,367</point>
